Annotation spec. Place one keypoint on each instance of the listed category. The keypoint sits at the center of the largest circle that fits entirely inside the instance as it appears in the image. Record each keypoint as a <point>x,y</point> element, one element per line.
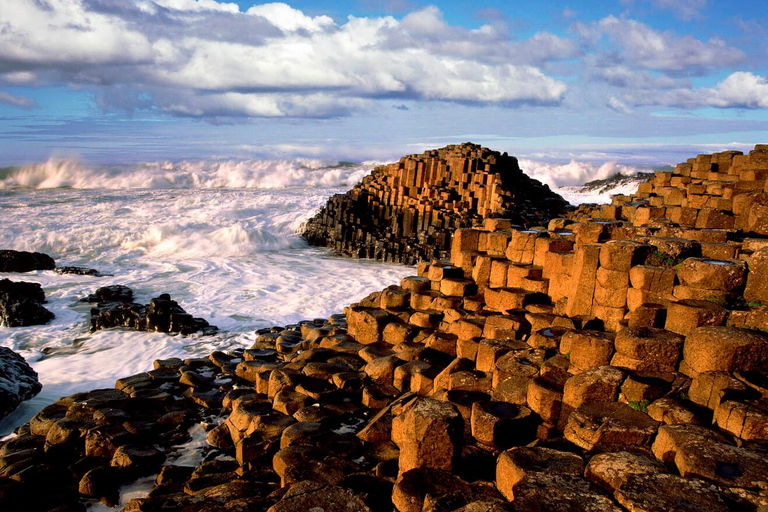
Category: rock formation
<point>23,261</point>
<point>616,360</point>
<point>406,212</point>
<point>18,382</point>
<point>115,308</point>
<point>21,304</point>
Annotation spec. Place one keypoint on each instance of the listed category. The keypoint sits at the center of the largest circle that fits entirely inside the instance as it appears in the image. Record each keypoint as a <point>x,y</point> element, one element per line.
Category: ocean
<point>221,237</point>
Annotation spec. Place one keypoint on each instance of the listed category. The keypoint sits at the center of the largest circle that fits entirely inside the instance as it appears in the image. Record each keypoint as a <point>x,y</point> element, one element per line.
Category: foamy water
<point>220,237</point>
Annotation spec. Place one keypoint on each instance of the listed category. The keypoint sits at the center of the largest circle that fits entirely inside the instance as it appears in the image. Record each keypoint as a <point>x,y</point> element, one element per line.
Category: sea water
<point>221,237</point>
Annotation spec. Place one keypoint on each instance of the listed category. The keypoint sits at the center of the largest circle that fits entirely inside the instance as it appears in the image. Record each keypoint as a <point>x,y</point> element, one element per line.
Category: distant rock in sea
<point>406,212</point>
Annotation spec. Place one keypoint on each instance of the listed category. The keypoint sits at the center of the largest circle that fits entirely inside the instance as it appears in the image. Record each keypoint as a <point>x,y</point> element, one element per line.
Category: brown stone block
<point>415,284</point>
<point>515,464</point>
<point>671,438</point>
<point>489,351</point>
<point>674,412</point>
<point>645,215</point>
<point>757,279</point>
<point>422,301</point>
<point>505,299</point>
<point>606,427</point>
<point>726,349</point>
<point>589,349</point>
<point>647,314</point>
<point>458,287</point>
<point>706,460</point>
<point>516,273</point>
<point>613,318</point>
<point>545,245</point>
<point>500,424</point>
<point>660,491</point>
<point>465,260</point>
<point>545,398</point>
<point>656,347</point>
<point>709,218</point>
<point>522,246</point>
<point>656,280</point>
<point>394,297</point>
<point>498,275</point>
<point>498,242</point>
<point>595,385</point>
<point>494,224</point>
<point>685,217</point>
<point>429,434</point>
<point>709,274</point>
<point>610,471</point>
<point>718,251</point>
<point>686,315</point>
<point>557,265</point>
<point>708,388</point>
<point>746,419</point>
<point>613,279</point>
<point>464,239</point>
<point>499,327</point>
<point>622,255</point>
<point>582,281</point>
<point>610,297</point>
<point>481,272</point>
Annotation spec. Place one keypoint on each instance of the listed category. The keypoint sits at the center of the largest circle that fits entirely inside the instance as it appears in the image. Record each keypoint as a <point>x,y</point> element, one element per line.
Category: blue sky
<point>633,81</point>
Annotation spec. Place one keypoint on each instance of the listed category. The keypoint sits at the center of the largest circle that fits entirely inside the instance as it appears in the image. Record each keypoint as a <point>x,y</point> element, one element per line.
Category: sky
<point>631,81</point>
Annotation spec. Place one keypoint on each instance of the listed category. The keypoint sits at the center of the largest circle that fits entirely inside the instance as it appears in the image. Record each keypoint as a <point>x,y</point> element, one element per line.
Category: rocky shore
<point>611,358</point>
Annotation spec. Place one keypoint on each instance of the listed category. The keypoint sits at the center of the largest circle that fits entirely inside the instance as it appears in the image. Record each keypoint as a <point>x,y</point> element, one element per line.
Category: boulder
<point>23,261</point>
<point>725,349</point>
<point>21,304</point>
<point>18,382</point>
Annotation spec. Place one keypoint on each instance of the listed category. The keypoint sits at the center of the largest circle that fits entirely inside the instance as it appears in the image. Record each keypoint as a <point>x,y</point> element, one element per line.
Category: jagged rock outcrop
<point>115,308</point>
<point>23,261</point>
<point>18,381</point>
<point>406,212</point>
<point>21,304</point>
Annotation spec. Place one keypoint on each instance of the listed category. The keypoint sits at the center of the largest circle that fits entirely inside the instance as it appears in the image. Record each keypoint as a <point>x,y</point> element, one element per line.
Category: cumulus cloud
<point>207,58</point>
<point>664,51</point>
<point>7,98</point>
<point>741,90</point>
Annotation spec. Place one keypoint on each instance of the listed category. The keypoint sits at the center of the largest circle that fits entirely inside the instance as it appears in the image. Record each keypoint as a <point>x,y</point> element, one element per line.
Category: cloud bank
<point>207,58</point>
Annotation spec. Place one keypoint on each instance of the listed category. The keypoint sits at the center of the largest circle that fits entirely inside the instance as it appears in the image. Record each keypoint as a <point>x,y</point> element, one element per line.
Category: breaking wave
<point>250,174</point>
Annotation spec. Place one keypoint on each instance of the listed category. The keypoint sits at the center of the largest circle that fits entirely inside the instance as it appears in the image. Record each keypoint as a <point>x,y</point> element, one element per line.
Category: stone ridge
<point>615,360</point>
<point>405,212</point>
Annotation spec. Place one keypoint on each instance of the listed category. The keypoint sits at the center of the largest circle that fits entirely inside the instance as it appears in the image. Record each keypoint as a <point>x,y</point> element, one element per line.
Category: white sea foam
<point>229,255</point>
<point>248,174</point>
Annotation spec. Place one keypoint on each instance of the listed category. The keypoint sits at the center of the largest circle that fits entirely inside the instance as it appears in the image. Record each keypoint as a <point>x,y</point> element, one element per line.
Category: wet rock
<point>23,261</point>
<point>21,304</point>
<point>18,381</point>
<point>113,293</point>
<point>78,271</point>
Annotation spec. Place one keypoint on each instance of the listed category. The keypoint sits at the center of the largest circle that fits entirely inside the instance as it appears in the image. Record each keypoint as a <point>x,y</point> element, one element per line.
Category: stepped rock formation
<point>405,212</point>
<point>616,360</point>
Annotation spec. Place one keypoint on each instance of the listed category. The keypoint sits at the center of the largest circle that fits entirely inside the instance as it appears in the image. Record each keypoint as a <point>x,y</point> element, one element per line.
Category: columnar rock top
<point>406,211</point>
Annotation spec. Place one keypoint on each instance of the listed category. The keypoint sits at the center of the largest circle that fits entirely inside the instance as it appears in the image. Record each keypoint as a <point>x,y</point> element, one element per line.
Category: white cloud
<point>739,90</point>
<point>664,51</point>
<point>206,58</point>
<point>619,106</point>
<point>17,101</point>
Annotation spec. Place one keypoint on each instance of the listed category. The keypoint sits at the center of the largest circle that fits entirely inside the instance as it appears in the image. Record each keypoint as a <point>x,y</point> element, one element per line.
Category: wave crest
<point>254,174</point>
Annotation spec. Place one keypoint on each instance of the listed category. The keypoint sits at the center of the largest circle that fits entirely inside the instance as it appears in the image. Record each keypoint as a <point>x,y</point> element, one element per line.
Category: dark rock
<point>114,293</point>
<point>18,382</point>
<point>20,304</point>
<point>23,261</point>
<point>116,309</point>
<point>78,271</point>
